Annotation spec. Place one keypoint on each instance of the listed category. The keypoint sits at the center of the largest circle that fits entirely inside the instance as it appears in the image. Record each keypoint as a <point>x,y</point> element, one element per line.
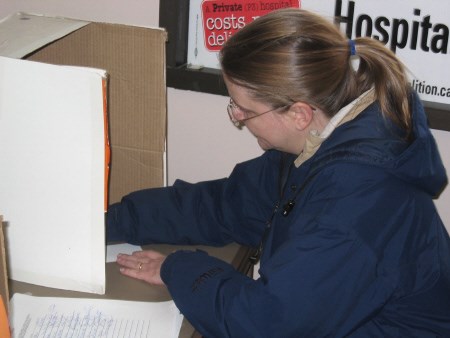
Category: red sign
<point>222,18</point>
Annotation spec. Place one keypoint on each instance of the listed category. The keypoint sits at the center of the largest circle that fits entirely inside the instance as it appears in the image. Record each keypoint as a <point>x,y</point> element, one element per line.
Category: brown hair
<point>294,55</point>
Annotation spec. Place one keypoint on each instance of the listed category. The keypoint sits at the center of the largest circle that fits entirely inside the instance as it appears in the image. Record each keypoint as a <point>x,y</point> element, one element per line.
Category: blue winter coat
<point>362,253</point>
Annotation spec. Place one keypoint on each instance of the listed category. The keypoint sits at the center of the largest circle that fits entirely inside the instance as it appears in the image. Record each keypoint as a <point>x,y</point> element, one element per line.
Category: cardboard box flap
<point>22,33</point>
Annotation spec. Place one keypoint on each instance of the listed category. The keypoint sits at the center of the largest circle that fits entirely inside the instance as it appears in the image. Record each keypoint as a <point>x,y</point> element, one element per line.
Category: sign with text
<point>416,30</point>
<point>222,18</point>
<point>212,22</point>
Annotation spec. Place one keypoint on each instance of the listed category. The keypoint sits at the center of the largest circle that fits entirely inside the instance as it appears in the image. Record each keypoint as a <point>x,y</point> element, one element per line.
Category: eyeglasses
<point>234,110</point>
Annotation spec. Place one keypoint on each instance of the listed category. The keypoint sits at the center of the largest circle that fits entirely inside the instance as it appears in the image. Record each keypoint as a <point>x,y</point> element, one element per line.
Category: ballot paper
<point>113,250</point>
<point>37,317</point>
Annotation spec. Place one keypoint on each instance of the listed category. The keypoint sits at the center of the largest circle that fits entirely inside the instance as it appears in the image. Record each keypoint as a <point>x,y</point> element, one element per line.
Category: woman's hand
<point>143,265</point>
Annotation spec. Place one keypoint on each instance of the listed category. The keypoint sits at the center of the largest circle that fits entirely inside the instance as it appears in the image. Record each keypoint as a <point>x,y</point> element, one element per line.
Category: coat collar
<point>347,113</point>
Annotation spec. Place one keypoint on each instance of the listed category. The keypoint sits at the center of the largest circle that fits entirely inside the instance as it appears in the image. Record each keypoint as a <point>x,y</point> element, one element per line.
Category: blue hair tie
<point>352,46</point>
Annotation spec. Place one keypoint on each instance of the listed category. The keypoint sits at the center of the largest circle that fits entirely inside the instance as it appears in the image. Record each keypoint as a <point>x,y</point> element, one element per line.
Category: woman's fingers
<point>143,265</point>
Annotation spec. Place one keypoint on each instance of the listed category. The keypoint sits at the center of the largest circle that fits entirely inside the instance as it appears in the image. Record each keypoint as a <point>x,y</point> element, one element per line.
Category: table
<point>120,287</point>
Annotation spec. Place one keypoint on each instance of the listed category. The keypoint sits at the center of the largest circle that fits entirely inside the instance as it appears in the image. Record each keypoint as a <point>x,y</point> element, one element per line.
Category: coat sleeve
<point>307,290</point>
<point>214,212</point>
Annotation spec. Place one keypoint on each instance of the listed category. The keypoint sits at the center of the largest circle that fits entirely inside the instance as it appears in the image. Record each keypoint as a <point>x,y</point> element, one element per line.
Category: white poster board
<point>417,30</point>
<point>52,173</point>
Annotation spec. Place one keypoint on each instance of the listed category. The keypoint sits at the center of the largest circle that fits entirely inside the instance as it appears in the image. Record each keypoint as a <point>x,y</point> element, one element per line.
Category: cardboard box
<point>134,60</point>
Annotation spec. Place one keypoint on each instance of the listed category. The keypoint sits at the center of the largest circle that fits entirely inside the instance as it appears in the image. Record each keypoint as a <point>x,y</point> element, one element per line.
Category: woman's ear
<point>302,115</point>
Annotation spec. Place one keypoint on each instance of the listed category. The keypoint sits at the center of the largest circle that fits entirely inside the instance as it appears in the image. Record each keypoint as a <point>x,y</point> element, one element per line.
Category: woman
<point>339,205</point>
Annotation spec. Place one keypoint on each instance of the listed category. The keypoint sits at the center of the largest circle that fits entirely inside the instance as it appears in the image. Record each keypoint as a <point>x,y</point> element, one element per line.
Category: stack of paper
<point>93,318</point>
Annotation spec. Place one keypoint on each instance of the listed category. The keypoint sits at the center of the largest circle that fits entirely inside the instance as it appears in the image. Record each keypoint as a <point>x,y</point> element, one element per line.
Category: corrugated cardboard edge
<point>4,292</point>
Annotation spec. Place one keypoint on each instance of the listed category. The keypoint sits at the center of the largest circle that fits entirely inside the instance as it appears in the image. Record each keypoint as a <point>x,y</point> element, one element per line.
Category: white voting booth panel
<point>52,176</point>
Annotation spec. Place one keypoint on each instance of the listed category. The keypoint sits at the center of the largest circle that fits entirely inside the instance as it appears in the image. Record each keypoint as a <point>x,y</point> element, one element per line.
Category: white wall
<point>132,12</point>
<point>202,143</point>
<point>443,203</point>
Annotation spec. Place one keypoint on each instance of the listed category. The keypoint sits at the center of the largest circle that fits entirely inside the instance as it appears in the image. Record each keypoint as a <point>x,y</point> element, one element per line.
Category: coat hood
<point>370,139</point>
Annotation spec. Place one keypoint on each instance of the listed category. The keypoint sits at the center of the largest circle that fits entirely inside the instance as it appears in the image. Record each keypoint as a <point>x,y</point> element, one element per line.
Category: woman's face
<point>273,130</point>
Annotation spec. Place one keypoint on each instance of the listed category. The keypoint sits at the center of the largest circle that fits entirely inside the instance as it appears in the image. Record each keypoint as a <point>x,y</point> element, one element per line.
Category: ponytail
<point>380,68</point>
